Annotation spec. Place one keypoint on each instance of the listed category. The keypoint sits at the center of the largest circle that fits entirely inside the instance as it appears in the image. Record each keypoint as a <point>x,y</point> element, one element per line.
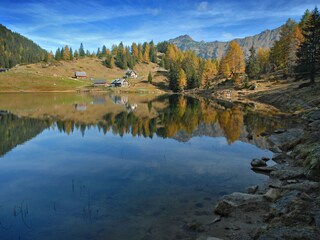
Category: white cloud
<point>203,6</point>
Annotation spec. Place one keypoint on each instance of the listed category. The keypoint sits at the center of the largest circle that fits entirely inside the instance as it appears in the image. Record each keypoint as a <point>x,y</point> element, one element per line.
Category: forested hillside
<point>16,49</point>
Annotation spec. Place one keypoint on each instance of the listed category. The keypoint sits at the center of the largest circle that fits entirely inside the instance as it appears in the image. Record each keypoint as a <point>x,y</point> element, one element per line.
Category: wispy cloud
<point>57,23</point>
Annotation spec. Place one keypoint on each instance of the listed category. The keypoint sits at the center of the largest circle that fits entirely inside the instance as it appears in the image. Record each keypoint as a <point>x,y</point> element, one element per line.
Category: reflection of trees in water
<point>181,114</point>
<point>15,130</point>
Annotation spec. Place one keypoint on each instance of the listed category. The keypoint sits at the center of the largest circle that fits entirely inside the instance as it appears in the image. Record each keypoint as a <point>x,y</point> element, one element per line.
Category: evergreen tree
<point>71,54</point>
<point>81,51</point>
<point>58,55</point>
<point>174,77</point>
<point>153,52</point>
<point>309,52</point>
<point>150,78</point>
<point>252,65</point>
<point>76,54</point>
<point>104,51</point>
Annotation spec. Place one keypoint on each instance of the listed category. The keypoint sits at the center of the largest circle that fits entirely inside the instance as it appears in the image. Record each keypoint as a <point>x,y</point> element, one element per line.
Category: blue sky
<point>56,23</point>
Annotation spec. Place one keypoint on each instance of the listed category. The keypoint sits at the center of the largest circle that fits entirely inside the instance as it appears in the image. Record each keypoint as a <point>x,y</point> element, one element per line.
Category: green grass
<point>12,81</point>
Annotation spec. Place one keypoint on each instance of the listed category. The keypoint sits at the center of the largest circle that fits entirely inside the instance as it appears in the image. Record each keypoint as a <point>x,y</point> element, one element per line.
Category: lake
<point>116,166</point>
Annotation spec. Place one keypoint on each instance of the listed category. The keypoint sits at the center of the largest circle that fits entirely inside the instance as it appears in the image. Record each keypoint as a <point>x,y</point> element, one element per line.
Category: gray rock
<point>279,157</point>
<point>283,203</point>
<point>290,173</point>
<point>290,233</point>
<point>313,116</point>
<point>208,238</point>
<point>287,139</point>
<point>264,170</point>
<point>258,163</point>
<point>252,189</point>
<point>272,194</point>
<point>306,186</point>
<point>235,200</point>
<point>315,125</point>
<point>275,149</point>
<point>266,159</point>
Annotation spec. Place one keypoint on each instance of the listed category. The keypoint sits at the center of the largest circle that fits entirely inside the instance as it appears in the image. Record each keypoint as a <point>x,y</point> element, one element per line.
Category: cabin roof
<point>99,81</point>
<point>81,74</point>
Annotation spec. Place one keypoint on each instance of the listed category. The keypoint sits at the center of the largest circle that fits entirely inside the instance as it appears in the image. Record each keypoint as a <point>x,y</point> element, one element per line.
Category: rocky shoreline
<point>288,206</point>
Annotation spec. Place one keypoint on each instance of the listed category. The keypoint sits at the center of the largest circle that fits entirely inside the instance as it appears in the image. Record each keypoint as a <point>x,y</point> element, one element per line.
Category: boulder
<point>283,203</point>
<point>258,163</point>
<point>305,186</point>
<point>313,116</point>
<point>235,200</point>
<point>290,173</point>
<point>288,139</point>
<point>272,194</point>
<point>252,189</point>
<point>266,159</point>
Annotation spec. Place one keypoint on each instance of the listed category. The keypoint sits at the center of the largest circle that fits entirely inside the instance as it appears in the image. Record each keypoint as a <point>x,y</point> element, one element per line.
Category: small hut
<point>100,83</point>
<point>119,83</point>
<point>131,74</point>
<point>80,75</point>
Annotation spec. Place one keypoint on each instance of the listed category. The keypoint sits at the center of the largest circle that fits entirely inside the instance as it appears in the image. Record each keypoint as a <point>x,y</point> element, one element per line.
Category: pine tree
<point>81,51</point>
<point>71,54</point>
<point>58,55</point>
<point>104,51</point>
<point>174,77</point>
<point>309,52</point>
<point>149,77</point>
<point>153,52</point>
<point>252,65</point>
<point>76,54</point>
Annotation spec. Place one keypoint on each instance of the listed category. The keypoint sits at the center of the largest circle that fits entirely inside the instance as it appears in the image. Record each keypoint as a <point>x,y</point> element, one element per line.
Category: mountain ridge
<point>216,49</point>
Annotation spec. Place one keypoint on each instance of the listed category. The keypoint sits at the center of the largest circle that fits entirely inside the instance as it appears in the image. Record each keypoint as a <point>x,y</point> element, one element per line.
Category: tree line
<point>296,53</point>
<point>16,49</point>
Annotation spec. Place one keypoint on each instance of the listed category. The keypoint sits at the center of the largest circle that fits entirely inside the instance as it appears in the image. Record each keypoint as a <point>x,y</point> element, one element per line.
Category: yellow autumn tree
<point>224,68</point>
<point>182,82</point>
<point>146,53</point>
<point>263,59</point>
<point>235,58</point>
<point>66,53</point>
<point>209,73</point>
<point>134,50</point>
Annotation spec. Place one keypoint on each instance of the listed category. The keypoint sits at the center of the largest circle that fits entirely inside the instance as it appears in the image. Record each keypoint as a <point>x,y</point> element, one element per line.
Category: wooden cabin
<point>131,74</point>
<point>4,69</point>
<point>119,83</point>
<point>100,83</point>
<point>80,75</point>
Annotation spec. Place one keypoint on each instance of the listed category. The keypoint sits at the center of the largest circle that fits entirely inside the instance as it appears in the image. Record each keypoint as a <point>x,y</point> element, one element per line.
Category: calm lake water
<point>121,166</point>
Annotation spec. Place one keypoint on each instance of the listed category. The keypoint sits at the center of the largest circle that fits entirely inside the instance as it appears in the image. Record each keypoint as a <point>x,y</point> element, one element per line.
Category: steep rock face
<point>217,49</point>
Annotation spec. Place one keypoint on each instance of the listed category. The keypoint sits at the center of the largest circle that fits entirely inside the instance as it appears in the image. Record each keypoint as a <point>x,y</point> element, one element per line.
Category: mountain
<point>217,49</point>
<point>16,49</point>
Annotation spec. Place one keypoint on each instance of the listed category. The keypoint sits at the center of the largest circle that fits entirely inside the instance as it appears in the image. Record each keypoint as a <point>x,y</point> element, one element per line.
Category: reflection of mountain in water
<point>15,131</point>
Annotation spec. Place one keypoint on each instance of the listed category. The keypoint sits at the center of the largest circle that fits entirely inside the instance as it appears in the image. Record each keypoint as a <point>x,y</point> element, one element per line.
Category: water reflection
<point>106,172</point>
